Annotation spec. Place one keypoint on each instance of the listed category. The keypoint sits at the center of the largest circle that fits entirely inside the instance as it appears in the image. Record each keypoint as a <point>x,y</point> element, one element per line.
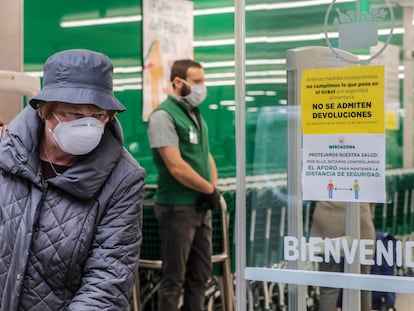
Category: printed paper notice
<point>343,134</point>
<point>347,168</point>
<point>343,100</point>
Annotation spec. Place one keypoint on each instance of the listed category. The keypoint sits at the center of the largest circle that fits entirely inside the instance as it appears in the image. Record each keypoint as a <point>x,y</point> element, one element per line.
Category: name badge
<point>193,136</point>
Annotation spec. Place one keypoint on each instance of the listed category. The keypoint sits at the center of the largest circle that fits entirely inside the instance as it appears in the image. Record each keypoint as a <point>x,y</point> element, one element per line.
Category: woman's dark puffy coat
<point>71,242</point>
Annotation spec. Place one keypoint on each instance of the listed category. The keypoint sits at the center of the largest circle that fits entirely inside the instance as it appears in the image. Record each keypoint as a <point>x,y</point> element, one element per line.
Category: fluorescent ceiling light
<point>213,42</point>
<point>276,61</point>
<point>35,73</point>
<point>266,73</point>
<point>267,6</point>
<point>249,62</point>
<point>127,87</point>
<point>219,75</point>
<point>248,74</point>
<point>221,83</point>
<point>291,4</point>
<point>289,38</point>
<point>127,81</point>
<point>132,69</point>
<point>266,81</point>
<point>227,102</point>
<point>248,81</point>
<point>386,32</point>
<point>212,11</point>
<point>255,93</point>
<point>102,21</point>
<point>229,63</point>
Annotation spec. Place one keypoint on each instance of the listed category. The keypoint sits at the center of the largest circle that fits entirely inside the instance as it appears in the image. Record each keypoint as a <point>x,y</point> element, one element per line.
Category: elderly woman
<point>70,194</point>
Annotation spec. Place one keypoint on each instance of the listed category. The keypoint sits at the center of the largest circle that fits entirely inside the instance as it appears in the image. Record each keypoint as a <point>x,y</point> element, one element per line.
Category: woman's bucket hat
<point>78,76</point>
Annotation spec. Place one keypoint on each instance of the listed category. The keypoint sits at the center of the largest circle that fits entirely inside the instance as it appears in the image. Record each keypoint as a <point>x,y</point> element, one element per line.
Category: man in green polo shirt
<point>186,193</point>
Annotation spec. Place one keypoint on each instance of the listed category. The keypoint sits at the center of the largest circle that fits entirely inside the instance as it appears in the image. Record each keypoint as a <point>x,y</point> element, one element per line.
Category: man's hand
<point>209,201</point>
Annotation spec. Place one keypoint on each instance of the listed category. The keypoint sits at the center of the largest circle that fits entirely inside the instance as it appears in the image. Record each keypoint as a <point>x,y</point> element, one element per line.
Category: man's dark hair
<point>180,67</point>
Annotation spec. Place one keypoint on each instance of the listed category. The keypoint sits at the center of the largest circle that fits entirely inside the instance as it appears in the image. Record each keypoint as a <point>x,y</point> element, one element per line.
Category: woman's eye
<point>74,115</point>
<point>100,116</point>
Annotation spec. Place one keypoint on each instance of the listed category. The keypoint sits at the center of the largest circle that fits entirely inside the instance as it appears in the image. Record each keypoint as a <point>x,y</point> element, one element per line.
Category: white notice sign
<point>347,168</point>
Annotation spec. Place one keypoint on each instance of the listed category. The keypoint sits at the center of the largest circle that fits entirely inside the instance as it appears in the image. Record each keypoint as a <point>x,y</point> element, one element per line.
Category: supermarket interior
<point>254,54</point>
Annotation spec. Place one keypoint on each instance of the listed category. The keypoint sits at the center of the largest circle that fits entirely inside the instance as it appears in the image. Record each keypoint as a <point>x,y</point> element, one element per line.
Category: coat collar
<point>20,156</point>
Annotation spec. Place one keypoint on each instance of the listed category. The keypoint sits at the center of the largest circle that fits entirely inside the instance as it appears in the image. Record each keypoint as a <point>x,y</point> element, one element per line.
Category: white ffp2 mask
<point>79,136</point>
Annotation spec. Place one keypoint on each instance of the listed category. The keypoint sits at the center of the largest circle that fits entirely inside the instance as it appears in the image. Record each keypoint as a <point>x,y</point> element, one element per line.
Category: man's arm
<point>214,175</point>
<point>184,173</point>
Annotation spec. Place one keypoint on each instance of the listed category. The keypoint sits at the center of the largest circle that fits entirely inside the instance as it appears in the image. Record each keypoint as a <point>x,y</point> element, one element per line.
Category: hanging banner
<point>167,36</point>
<point>343,134</point>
